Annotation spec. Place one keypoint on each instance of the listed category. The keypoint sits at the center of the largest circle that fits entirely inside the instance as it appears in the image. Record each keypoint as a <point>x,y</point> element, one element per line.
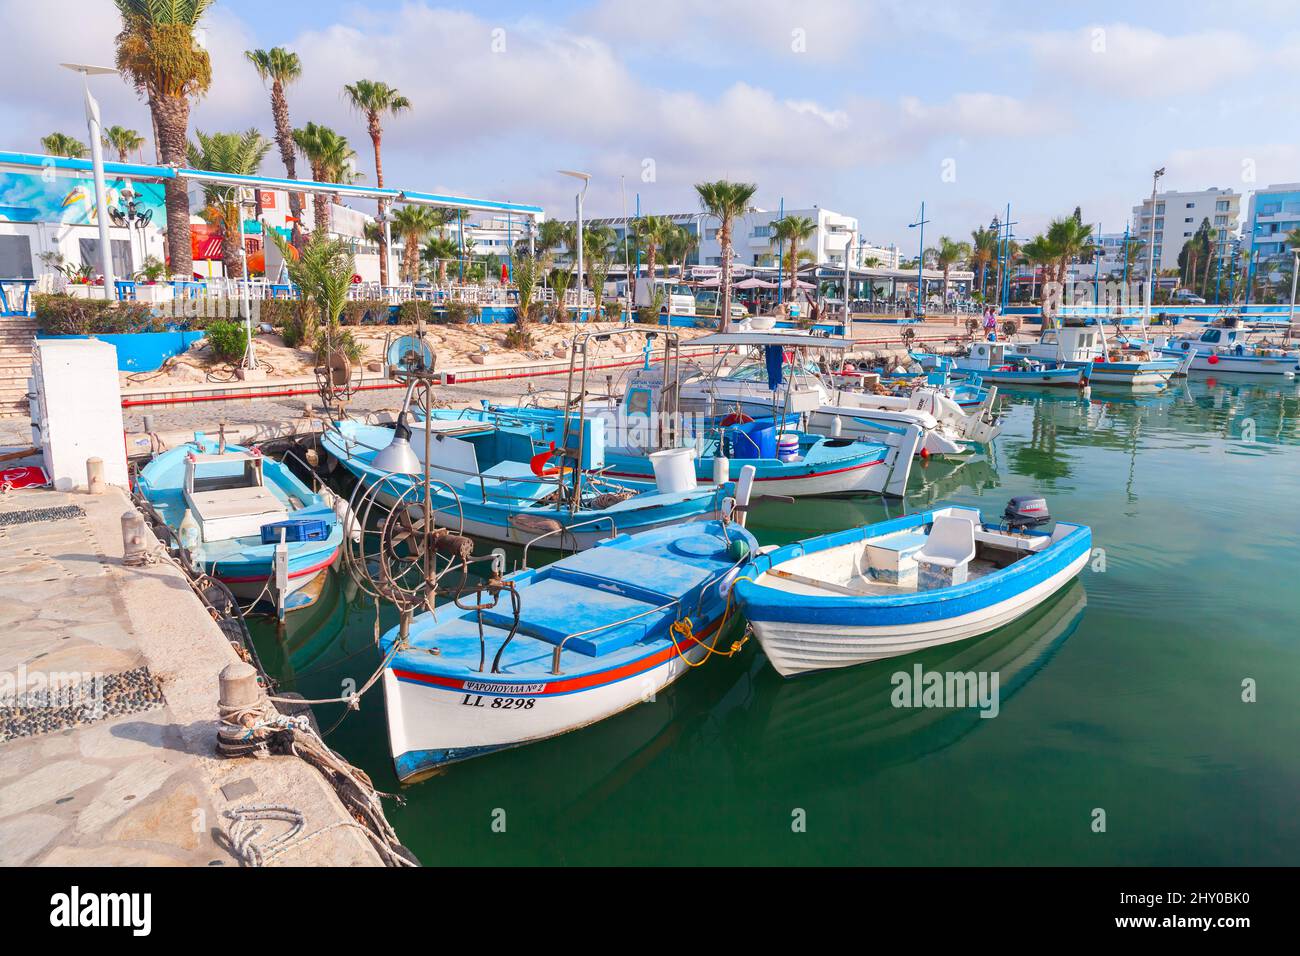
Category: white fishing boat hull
<point>1240,364</point>
<point>797,648</point>
<point>861,423</point>
<point>430,726</point>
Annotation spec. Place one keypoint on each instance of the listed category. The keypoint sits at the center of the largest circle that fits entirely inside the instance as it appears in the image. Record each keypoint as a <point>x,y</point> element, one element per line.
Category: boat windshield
<point>757,372</point>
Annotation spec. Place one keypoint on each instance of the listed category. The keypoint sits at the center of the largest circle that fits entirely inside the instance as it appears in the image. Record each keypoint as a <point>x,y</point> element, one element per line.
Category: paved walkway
<point>117,766</point>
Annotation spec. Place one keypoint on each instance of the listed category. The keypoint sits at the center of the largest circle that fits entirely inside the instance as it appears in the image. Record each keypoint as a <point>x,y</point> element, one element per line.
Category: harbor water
<point>1145,715</point>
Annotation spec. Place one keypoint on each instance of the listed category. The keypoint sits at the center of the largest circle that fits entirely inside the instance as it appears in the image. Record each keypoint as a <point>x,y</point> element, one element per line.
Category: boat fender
<point>538,463</point>
<point>729,579</point>
<point>738,550</point>
<point>735,418</point>
<point>1213,359</point>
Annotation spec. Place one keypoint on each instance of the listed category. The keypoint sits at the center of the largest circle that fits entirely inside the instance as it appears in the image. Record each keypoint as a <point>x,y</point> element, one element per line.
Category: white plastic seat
<point>951,543</point>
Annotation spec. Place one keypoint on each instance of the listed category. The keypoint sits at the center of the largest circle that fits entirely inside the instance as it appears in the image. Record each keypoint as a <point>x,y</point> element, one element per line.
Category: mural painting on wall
<point>27,197</point>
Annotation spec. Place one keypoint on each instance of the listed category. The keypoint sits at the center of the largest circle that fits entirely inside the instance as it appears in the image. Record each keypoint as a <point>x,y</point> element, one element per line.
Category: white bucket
<point>787,447</point>
<point>674,469</point>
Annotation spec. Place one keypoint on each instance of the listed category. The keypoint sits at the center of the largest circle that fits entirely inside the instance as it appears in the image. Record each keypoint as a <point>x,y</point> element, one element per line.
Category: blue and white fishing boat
<point>899,586</point>
<point>558,648</point>
<point>492,481</point>
<point>231,507</point>
<point>787,461</point>
<point>997,362</point>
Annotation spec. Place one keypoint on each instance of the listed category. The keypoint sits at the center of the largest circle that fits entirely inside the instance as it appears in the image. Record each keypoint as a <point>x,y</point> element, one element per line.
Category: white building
<point>1177,217</point>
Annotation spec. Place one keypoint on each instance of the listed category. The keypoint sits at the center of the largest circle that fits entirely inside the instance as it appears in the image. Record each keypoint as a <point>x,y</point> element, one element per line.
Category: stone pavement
<point>108,687</point>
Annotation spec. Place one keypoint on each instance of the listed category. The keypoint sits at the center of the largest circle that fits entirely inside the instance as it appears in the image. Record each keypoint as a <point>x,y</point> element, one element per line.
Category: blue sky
<point>864,107</point>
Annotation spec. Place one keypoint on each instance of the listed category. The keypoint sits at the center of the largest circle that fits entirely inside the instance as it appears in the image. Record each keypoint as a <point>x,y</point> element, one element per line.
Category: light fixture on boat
<point>396,457</point>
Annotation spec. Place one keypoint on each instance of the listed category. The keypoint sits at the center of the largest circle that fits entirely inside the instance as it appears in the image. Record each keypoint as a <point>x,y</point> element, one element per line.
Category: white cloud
<point>1136,62</point>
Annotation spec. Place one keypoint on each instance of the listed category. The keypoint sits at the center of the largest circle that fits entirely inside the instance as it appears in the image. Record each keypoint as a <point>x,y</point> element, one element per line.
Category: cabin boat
<point>591,635</point>
<point>231,507</point>
<point>493,481</point>
<point>1227,348</point>
<point>773,378</point>
<point>998,362</point>
<point>900,586</point>
<point>1085,346</point>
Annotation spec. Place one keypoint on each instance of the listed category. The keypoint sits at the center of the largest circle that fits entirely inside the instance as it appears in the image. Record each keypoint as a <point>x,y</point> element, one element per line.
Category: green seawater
<point>1124,694</point>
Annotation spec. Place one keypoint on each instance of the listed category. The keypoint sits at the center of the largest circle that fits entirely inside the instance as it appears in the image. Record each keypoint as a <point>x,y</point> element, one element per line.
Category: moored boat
<point>552,650</point>
<point>899,586</point>
<point>231,507</point>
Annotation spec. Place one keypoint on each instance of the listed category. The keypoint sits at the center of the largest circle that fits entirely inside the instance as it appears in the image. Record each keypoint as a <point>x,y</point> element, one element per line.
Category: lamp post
<point>97,161</point>
<point>848,247</point>
<point>586,181</point>
<point>920,261</point>
<point>1295,271</point>
<point>1151,249</point>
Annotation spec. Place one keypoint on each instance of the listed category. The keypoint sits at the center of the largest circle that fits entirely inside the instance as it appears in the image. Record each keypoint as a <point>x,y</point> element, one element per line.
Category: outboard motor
<point>1026,511</point>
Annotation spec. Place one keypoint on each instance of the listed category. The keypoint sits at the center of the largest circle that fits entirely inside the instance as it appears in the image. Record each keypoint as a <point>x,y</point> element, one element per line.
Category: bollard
<point>239,706</point>
<point>95,476</point>
<point>238,687</point>
<point>135,548</point>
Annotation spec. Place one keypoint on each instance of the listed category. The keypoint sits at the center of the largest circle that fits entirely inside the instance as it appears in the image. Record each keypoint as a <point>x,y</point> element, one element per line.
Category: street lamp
<point>97,163</point>
<point>920,260</point>
<point>586,181</point>
<point>1295,271</point>
<point>1151,251</point>
<point>847,232</point>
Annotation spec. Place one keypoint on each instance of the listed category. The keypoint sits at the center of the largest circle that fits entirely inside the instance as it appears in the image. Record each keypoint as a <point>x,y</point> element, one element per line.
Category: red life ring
<point>1213,359</point>
<point>735,418</point>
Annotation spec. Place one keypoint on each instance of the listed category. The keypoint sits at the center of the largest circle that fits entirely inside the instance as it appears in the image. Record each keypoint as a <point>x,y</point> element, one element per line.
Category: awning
<point>790,339</point>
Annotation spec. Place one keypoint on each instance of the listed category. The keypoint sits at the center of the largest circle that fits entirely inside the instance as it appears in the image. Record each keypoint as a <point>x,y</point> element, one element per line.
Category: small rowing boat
<point>231,507</point>
<point>900,586</point>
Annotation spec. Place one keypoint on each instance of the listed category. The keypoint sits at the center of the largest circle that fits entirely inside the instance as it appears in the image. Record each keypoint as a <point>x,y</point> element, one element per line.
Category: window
<point>1222,205</point>
<point>89,249</point>
<point>1191,205</point>
<point>1220,220</point>
<point>710,233</point>
<point>16,257</point>
<point>1188,219</point>
<point>762,232</point>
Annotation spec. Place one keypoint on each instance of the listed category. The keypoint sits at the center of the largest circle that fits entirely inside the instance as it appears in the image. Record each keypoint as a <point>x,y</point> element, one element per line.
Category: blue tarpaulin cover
<point>775,362</point>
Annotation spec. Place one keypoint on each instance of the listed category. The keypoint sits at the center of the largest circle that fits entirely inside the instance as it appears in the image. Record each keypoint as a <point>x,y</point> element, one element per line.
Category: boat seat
<point>892,559</point>
<point>554,609</point>
<point>947,553</point>
<point>648,578</point>
<point>509,481</point>
<point>235,512</point>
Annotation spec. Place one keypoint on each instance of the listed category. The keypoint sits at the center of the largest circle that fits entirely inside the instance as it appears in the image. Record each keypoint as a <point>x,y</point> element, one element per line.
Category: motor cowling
<point>1026,511</point>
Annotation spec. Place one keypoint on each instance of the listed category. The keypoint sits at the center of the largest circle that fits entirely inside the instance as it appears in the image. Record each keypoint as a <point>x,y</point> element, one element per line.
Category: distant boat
<point>900,586</point>
<point>1085,347</point>
<point>997,362</point>
<point>239,504</point>
<point>1228,348</point>
<point>561,647</point>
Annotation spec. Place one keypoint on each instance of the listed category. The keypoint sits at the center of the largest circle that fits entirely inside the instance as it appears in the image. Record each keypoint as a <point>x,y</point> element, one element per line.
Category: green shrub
<point>340,339</point>
<point>68,315</point>
<point>518,338</point>
<point>613,311</point>
<point>459,313</point>
<point>365,312</point>
<point>228,339</point>
<point>647,315</point>
<point>409,313</point>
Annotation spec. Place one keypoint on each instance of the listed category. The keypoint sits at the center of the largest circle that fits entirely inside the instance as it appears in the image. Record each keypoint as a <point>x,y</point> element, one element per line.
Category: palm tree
<point>373,99</point>
<point>238,153</point>
<point>329,156</point>
<point>681,242</point>
<point>947,254</point>
<point>552,234</point>
<point>279,67</point>
<point>725,201</point>
<point>61,144</point>
<point>439,251</point>
<point>792,231</point>
<point>596,244</point>
<point>652,232</point>
<point>984,249</point>
<point>125,141</point>
<point>413,223</point>
<point>1036,252</point>
<point>157,53</point>
<point>1067,238</point>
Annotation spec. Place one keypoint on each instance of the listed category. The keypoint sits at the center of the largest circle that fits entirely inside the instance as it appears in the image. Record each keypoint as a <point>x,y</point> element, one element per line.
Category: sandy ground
<point>453,345</point>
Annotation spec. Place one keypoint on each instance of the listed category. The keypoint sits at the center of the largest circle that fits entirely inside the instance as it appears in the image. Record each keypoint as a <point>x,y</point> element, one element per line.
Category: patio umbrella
<point>754,282</point>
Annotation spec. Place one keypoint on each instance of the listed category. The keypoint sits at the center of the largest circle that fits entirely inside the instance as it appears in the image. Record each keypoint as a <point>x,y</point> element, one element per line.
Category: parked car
<point>1187,297</point>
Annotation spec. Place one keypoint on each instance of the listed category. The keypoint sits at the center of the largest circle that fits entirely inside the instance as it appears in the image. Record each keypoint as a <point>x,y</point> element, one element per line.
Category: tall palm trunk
<point>284,139</point>
<point>172,118</point>
<point>724,234</point>
<point>410,260</point>
<point>376,135</point>
<point>232,260</point>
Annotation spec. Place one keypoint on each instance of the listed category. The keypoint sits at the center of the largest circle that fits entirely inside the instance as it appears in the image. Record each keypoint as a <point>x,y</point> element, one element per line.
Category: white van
<point>677,298</point>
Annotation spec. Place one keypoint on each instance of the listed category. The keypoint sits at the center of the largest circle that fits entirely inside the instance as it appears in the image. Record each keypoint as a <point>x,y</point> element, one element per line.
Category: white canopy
<point>788,339</point>
<point>754,282</point>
